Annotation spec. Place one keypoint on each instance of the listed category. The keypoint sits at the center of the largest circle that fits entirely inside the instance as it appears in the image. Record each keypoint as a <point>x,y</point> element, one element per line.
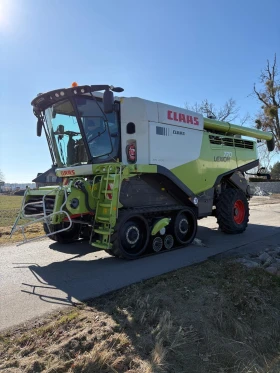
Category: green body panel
<point>43,191</point>
<point>245,156</point>
<point>201,174</point>
<point>57,218</point>
<point>59,193</point>
<point>98,169</point>
<point>79,195</point>
<point>159,225</point>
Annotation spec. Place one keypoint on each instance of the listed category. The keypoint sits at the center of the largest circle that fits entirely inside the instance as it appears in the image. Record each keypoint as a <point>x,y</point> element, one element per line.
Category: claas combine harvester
<point>135,175</point>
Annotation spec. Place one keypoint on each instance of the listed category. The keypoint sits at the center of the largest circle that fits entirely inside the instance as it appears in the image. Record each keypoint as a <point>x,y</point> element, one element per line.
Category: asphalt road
<point>41,277</point>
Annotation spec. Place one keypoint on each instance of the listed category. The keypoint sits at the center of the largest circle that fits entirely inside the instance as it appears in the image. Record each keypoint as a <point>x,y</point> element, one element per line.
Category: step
<point>100,245</point>
<point>103,232</point>
<point>106,205</point>
<point>102,219</point>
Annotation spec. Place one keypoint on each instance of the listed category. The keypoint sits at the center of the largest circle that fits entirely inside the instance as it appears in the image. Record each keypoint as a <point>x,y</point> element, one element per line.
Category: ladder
<point>107,205</point>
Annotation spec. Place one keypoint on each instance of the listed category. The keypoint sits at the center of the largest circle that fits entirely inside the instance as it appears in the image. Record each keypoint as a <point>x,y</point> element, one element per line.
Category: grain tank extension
<point>136,176</point>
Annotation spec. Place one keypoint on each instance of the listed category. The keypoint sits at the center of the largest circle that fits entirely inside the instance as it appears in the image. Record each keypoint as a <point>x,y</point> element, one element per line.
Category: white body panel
<point>172,146</point>
<point>179,117</point>
<point>139,112</point>
<point>176,141</point>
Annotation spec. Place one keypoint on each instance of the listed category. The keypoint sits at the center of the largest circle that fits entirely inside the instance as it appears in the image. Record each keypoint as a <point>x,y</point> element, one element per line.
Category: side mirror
<point>108,101</point>
<point>39,127</point>
<point>270,144</point>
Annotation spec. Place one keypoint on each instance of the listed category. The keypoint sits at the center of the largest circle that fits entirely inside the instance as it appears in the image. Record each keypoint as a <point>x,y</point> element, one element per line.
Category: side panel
<point>172,146</point>
<point>137,111</point>
<point>201,174</point>
<point>214,160</point>
<point>174,138</point>
<point>145,190</point>
<point>189,126</point>
<point>247,154</point>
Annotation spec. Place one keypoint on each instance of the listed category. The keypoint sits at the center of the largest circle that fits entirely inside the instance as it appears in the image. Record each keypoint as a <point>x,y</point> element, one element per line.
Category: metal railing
<point>41,217</point>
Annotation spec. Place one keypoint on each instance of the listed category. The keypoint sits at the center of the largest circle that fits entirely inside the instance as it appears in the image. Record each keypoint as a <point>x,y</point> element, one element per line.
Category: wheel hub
<point>239,212</point>
<point>132,235</point>
<point>157,244</point>
<point>183,226</point>
<point>168,242</point>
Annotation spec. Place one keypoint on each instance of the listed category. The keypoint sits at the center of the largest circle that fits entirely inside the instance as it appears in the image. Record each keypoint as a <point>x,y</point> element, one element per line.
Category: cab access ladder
<point>107,205</point>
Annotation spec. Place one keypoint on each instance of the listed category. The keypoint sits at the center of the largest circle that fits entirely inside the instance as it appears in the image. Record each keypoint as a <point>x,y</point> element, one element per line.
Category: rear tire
<point>65,237</point>
<point>232,211</point>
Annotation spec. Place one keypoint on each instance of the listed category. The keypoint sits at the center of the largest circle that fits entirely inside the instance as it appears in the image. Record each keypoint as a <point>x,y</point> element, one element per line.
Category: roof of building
<point>42,177</point>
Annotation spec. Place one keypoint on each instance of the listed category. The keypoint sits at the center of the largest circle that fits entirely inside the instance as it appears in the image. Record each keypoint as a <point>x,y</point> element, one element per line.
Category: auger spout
<point>234,129</point>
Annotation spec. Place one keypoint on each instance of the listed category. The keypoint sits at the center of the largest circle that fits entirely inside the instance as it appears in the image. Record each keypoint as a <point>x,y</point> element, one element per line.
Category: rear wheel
<point>131,237</point>
<point>232,211</point>
<point>68,236</point>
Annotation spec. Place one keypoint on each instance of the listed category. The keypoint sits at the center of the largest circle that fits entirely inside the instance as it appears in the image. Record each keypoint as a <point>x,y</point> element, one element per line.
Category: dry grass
<point>213,317</point>
<point>9,209</point>
<point>34,230</point>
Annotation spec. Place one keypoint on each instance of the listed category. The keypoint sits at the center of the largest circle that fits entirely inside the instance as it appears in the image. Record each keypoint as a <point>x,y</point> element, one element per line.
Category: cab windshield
<point>96,141</point>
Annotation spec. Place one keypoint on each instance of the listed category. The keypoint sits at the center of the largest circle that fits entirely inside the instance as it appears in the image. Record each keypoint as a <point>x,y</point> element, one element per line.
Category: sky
<point>166,51</point>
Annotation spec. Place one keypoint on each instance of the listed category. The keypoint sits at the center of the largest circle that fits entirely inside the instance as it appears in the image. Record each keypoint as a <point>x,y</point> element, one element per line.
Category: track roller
<point>185,226</point>
<point>168,241</point>
<point>131,236</point>
<point>157,244</point>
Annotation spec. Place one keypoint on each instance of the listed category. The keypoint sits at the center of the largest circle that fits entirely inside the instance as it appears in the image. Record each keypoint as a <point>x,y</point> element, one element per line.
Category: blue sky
<point>166,51</point>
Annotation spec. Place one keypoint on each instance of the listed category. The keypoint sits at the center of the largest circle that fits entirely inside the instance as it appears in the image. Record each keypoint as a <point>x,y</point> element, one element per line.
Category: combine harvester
<point>137,175</point>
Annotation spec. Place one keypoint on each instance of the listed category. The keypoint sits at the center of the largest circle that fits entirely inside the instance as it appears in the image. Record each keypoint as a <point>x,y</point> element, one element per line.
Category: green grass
<point>10,202</point>
<point>9,209</point>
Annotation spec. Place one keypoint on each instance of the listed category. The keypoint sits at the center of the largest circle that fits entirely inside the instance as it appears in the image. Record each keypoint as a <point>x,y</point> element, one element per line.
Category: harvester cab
<point>137,175</point>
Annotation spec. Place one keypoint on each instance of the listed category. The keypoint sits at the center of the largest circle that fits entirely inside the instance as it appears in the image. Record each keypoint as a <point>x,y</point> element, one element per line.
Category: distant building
<point>47,178</point>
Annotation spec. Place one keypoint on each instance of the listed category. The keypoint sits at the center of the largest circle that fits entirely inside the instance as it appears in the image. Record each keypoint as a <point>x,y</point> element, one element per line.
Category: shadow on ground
<point>78,278</point>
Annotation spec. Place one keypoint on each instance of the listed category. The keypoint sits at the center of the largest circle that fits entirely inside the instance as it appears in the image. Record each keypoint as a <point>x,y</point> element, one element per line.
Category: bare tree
<point>2,177</point>
<point>269,96</point>
<point>266,158</point>
<point>228,112</point>
<point>275,171</point>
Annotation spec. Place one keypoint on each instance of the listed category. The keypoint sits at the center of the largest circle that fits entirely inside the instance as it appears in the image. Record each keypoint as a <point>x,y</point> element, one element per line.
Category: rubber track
<point>147,212</point>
